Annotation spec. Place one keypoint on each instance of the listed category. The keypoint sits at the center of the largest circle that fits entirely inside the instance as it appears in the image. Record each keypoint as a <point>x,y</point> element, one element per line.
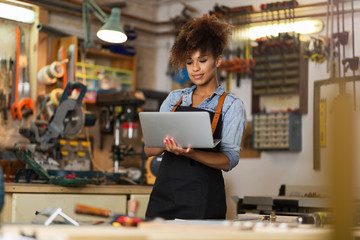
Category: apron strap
<point>218,112</point>
<point>177,104</point>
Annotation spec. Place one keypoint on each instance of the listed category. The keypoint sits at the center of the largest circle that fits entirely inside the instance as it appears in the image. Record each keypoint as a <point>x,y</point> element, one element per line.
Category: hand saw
<point>14,92</point>
<point>23,103</point>
<point>3,92</point>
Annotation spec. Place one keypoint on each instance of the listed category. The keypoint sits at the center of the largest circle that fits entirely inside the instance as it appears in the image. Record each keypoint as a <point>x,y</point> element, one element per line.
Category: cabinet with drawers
<point>23,200</point>
<point>277,131</point>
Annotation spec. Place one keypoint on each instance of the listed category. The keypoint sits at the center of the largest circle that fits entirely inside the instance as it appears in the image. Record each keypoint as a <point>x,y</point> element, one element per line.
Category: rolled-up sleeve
<point>234,124</point>
<point>165,106</point>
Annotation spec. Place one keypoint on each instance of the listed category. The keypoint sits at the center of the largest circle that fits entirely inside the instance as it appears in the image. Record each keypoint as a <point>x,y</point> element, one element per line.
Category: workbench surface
<point>88,189</point>
<point>159,231</point>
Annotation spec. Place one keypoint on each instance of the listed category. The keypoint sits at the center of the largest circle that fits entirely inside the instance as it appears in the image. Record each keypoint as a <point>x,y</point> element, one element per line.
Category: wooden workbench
<point>23,200</point>
<point>22,196</point>
<point>159,231</point>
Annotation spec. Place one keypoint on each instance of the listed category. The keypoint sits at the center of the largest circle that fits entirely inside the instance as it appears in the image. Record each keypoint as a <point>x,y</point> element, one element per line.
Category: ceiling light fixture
<point>16,13</point>
<point>302,27</point>
<point>111,31</point>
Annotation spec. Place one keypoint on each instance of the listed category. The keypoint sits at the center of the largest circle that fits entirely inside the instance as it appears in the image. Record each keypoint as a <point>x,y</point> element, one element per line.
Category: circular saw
<point>71,118</point>
<point>67,121</point>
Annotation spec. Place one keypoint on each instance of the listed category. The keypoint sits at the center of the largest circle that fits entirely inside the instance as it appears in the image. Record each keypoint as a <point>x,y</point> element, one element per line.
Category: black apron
<point>187,189</point>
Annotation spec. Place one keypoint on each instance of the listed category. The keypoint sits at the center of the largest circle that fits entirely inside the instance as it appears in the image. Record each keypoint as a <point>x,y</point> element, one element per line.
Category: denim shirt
<point>233,117</point>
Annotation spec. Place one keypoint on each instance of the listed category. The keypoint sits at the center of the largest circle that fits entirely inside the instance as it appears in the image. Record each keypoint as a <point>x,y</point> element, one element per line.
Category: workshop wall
<point>263,176</point>
<point>146,50</point>
<point>9,133</point>
<point>253,176</point>
<point>145,44</point>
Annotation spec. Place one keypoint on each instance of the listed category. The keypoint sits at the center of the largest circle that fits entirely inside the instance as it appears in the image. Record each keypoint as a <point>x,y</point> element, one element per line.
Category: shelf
<point>103,78</point>
<point>114,62</point>
<point>105,53</point>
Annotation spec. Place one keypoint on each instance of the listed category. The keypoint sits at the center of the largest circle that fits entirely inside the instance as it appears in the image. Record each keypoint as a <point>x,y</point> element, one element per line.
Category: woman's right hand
<point>171,146</point>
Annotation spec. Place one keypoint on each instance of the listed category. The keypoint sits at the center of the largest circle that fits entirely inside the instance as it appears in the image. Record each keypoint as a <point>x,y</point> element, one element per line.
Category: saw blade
<point>74,121</point>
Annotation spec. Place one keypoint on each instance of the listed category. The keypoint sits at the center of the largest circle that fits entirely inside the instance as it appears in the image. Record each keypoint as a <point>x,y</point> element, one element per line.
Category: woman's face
<point>202,68</point>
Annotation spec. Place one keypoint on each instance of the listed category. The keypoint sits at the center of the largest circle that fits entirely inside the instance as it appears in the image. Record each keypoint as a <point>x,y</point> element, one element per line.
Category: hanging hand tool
<point>70,66</point>
<point>14,93</point>
<point>337,44</point>
<point>331,49</point>
<point>3,106</point>
<point>63,60</point>
<point>315,50</point>
<point>341,38</point>
<point>278,8</point>
<point>3,94</point>
<point>23,105</point>
<point>240,72</point>
<point>353,51</point>
<point>3,72</point>
<point>327,43</point>
<point>352,63</point>
<point>10,72</point>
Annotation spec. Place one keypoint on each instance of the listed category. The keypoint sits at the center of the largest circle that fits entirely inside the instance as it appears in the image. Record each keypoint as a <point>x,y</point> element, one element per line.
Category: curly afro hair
<point>206,33</point>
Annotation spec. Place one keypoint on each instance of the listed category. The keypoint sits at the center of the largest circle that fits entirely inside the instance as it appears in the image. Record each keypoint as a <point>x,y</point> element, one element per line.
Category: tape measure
<point>152,168</point>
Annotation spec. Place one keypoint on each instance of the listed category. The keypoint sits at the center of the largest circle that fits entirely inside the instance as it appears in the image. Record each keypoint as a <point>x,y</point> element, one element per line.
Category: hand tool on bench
<point>121,219</point>
<point>51,214</point>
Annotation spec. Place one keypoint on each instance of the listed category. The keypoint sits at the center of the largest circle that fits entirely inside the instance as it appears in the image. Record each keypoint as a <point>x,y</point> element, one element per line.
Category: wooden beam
<point>316,114</point>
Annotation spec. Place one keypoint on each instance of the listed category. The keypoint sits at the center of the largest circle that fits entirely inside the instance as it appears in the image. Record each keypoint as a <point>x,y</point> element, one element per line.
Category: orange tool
<point>26,103</point>
<point>22,88</point>
<point>118,219</point>
<point>17,71</point>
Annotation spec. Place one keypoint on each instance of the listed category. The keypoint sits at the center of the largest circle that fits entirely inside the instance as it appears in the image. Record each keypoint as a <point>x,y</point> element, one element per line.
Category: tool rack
<point>280,73</point>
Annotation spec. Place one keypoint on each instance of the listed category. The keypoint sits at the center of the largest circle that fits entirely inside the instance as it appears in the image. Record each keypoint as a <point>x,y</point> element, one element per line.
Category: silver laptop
<point>189,129</point>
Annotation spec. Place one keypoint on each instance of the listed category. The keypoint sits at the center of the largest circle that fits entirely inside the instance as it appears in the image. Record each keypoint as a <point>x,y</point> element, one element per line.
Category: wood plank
<point>316,114</point>
<point>99,53</point>
<point>316,128</point>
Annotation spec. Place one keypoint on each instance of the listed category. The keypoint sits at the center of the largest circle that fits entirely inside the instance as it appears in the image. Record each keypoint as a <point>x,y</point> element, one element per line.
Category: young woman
<point>190,184</point>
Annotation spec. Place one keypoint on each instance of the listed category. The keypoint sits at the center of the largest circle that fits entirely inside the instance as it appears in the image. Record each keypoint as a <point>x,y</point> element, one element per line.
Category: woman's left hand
<point>171,146</point>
